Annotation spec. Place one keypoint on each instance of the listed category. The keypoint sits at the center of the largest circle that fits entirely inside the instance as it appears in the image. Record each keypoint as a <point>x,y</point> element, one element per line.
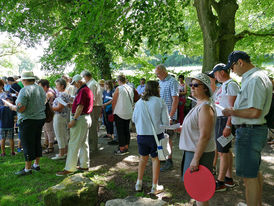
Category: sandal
<point>48,150</point>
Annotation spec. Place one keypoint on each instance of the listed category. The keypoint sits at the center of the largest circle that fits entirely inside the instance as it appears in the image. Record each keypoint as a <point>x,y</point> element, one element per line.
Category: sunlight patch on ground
<point>131,158</point>
<point>268,159</point>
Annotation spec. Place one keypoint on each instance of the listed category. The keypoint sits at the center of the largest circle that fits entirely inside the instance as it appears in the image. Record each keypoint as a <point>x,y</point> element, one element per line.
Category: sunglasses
<point>195,84</point>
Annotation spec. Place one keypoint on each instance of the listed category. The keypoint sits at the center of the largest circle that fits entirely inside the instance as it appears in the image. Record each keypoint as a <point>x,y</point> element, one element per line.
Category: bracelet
<point>228,127</point>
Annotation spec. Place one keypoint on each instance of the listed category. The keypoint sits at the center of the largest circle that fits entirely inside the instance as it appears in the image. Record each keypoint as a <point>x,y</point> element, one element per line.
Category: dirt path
<point>174,189</point>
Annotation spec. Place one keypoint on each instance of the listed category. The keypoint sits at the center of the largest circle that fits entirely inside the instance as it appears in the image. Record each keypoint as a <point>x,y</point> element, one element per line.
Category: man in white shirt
<point>97,106</point>
<point>225,96</point>
<point>248,117</point>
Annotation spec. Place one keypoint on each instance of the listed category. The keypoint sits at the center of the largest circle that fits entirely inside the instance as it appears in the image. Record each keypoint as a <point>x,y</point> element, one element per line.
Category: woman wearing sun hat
<point>30,106</point>
<point>197,134</point>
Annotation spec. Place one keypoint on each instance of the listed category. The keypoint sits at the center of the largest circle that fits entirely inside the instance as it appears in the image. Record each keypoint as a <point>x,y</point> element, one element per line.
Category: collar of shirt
<point>249,72</point>
<point>81,88</point>
<point>167,78</point>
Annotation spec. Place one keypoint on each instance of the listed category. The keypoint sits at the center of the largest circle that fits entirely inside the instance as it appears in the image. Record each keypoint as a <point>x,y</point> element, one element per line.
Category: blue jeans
<point>248,146</point>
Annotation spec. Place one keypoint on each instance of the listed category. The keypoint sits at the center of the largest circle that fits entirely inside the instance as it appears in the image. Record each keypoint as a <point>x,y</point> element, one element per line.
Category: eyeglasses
<point>195,84</point>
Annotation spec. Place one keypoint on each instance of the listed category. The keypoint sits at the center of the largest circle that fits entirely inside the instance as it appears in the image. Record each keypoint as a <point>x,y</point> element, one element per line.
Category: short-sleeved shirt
<point>6,118</point>
<point>141,88</point>
<point>33,97</point>
<point>84,96</point>
<point>66,98</point>
<point>168,89</point>
<point>228,88</point>
<point>256,92</point>
<point>96,90</point>
<point>7,87</point>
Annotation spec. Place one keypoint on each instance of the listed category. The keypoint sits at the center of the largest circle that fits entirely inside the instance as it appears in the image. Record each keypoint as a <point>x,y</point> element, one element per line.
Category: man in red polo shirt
<point>79,127</point>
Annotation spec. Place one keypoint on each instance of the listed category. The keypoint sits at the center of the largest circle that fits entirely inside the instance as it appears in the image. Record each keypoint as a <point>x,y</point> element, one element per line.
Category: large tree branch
<point>246,33</point>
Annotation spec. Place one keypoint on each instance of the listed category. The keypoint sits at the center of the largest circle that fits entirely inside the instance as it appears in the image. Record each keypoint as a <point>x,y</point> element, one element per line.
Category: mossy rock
<point>72,191</point>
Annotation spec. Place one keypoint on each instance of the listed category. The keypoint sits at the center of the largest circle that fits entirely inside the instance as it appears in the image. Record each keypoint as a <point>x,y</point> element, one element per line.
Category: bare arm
<point>175,101</point>
<point>59,108</point>
<point>206,125</point>
<point>227,130</point>
<point>115,98</point>
<point>250,113</point>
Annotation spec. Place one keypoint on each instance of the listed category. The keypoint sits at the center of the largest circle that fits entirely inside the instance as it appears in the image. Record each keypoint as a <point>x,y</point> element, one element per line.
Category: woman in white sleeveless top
<point>122,106</point>
<point>197,135</point>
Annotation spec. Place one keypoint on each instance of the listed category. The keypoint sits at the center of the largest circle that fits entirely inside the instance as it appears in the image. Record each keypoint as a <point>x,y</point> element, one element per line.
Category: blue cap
<point>235,56</point>
<point>218,67</point>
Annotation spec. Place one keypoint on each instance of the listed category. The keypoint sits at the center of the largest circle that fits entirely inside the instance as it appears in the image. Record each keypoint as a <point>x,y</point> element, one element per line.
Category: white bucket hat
<point>76,78</point>
<point>203,78</point>
<point>28,75</point>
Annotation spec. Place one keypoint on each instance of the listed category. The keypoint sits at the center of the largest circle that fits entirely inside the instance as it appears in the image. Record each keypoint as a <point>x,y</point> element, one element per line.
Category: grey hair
<point>62,82</point>
<point>86,74</point>
<point>161,67</point>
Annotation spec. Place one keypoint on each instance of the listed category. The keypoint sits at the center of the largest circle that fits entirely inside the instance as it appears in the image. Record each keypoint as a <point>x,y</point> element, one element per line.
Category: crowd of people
<point>222,108</point>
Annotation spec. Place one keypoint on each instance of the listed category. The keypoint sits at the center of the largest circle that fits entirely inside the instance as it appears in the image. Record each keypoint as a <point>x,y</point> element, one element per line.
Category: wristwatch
<point>74,119</point>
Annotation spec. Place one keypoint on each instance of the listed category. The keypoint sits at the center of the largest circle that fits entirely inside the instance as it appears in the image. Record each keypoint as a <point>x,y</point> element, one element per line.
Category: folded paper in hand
<point>225,140</point>
<point>170,127</point>
<point>59,99</point>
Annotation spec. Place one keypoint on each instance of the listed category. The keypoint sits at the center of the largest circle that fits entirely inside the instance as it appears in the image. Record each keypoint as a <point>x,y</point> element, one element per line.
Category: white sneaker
<point>138,187</point>
<point>58,157</point>
<point>156,190</point>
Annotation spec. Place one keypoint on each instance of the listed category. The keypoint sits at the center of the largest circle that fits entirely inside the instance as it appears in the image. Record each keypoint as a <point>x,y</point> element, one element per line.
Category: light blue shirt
<point>168,89</point>
<point>33,97</point>
<point>256,92</point>
<point>140,89</point>
<point>158,113</point>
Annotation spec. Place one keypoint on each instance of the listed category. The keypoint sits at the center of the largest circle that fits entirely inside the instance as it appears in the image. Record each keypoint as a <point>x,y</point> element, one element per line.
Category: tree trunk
<point>218,31</point>
<point>103,60</point>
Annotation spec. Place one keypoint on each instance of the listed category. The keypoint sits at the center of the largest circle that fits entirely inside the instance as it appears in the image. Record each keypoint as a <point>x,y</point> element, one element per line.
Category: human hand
<point>178,130</point>
<point>227,111</point>
<point>194,165</point>
<point>72,123</point>
<point>226,132</point>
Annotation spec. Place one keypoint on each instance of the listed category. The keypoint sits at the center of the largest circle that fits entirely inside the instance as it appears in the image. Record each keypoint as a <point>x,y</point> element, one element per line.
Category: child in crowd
<point>7,127</point>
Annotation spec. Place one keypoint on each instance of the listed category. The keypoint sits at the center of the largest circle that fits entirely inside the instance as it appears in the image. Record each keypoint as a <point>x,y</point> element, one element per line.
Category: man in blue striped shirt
<point>169,92</point>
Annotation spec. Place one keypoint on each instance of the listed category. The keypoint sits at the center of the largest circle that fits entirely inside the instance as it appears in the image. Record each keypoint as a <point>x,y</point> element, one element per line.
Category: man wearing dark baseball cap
<point>225,97</point>
<point>248,117</point>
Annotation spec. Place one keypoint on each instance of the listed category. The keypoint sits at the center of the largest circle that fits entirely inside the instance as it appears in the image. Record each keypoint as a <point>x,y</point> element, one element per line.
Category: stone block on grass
<point>136,201</point>
<point>72,191</point>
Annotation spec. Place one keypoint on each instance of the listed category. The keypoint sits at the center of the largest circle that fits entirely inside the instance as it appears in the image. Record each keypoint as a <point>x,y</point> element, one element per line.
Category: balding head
<point>161,71</point>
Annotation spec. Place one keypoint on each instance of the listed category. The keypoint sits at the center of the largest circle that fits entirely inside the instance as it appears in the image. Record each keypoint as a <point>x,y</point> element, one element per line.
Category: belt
<point>248,125</point>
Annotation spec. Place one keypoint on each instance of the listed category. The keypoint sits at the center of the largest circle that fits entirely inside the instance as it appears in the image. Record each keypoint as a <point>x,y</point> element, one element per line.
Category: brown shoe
<point>82,169</point>
<point>63,173</point>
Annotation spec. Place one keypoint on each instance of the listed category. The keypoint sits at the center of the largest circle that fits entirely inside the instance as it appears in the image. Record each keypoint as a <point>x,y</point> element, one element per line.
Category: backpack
<point>270,115</point>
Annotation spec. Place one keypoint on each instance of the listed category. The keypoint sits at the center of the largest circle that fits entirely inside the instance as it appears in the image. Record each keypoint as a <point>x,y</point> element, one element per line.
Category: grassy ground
<point>26,190</point>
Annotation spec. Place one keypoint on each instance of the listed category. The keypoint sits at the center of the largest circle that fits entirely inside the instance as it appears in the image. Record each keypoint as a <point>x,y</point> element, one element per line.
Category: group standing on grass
<point>161,104</point>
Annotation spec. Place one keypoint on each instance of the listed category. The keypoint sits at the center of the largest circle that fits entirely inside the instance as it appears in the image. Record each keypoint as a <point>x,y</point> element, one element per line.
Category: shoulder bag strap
<point>153,129</point>
<point>128,95</point>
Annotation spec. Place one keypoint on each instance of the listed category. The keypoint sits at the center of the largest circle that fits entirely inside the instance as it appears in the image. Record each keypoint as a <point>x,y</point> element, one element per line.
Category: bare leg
<point>260,179</point>
<point>142,166</point>
<point>12,145</point>
<point>223,166</point>
<point>230,165</point>
<point>215,158</point>
<point>155,170</point>
<point>28,165</point>
<point>37,160</point>
<point>3,145</point>
<point>252,191</point>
